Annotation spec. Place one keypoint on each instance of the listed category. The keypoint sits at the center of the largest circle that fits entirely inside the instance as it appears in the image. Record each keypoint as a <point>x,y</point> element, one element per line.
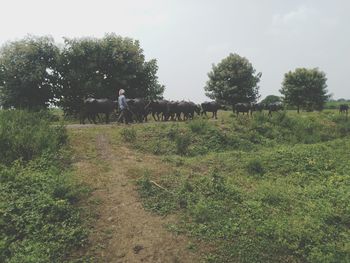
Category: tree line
<point>234,80</point>
<point>35,72</point>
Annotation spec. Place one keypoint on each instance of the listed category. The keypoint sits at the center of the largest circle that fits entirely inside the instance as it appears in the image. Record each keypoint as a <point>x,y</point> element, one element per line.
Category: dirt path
<point>124,231</point>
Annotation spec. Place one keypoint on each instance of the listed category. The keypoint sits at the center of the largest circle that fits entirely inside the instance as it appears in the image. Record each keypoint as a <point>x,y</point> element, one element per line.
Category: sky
<point>188,37</point>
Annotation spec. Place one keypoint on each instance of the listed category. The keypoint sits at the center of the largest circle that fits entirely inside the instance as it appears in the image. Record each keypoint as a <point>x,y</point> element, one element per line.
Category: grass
<point>261,189</point>
<point>39,220</point>
<point>253,189</point>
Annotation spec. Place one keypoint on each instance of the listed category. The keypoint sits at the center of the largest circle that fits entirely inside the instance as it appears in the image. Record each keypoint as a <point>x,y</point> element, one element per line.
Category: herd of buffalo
<point>164,110</point>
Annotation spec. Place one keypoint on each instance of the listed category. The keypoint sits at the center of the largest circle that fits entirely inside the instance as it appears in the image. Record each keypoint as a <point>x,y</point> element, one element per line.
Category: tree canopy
<point>34,72</point>
<point>271,99</point>
<point>100,67</point>
<point>233,80</point>
<point>27,73</point>
<point>305,88</point>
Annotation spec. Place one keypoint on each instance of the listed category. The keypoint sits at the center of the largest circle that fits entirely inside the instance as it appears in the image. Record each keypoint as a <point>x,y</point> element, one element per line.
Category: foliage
<point>129,134</point>
<point>35,73</point>
<point>255,167</point>
<point>26,135</point>
<point>183,141</point>
<point>271,99</point>
<point>38,218</point>
<point>100,67</point>
<point>28,73</point>
<point>233,80</point>
<point>305,88</point>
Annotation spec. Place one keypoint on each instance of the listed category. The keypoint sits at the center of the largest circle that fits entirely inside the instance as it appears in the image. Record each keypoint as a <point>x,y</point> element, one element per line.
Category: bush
<point>129,134</point>
<point>255,167</point>
<point>38,219</point>
<point>182,141</point>
<point>199,126</point>
<point>26,135</point>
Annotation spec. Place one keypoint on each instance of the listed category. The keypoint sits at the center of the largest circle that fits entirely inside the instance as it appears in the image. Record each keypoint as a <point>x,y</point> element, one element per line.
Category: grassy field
<point>244,189</point>
<point>258,189</point>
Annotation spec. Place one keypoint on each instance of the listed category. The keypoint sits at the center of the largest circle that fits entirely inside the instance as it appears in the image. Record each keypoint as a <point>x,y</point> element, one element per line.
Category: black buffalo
<point>174,110</point>
<point>257,107</point>
<point>188,108</point>
<point>138,109</point>
<point>159,109</point>
<point>210,106</point>
<point>344,108</point>
<point>92,107</point>
<point>274,107</point>
<point>242,107</point>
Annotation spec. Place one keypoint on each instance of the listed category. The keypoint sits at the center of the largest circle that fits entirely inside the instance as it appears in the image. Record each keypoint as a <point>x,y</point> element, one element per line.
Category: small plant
<point>173,132</point>
<point>198,126</point>
<point>129,134</point>
<point>255,167</point>
<point>183,141</point>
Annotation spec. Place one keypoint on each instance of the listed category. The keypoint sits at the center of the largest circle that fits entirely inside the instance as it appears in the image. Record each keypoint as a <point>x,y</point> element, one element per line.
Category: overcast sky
<point>187,36</point>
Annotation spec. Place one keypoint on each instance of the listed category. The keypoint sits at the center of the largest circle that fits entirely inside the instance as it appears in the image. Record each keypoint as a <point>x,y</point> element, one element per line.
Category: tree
<point>233,80</point>
<point>28,73</point>
<point>100,67</point>
<point>305,88</point>
<point>271,99</point>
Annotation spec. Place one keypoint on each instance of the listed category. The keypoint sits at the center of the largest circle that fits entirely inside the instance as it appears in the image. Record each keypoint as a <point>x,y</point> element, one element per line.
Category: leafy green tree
<point>233,80</point>
<point>305,88</point>
<point>28,76</point>
<point>271,99</point>
<point>100,67</point>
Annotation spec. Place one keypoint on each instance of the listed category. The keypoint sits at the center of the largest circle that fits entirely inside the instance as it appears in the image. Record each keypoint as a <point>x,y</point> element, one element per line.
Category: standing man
<point>123,106</point>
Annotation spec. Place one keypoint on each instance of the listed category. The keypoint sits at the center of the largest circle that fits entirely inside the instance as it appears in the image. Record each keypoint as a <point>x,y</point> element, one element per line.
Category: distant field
<point>335,104</point>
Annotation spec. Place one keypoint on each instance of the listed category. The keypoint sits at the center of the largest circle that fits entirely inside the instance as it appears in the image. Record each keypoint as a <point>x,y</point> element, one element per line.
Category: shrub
<point>173,132</point>
<point>199,126</point>
<point>182,141</point>
<point>129,134</point>
<point>255,167</point>
<point>26,135</point>
<point>38,219</point>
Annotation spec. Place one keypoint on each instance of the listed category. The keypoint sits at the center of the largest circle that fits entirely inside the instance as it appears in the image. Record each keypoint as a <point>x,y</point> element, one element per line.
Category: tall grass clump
<point>39,221</point>
<point>129,134</point>
<point>183,141</point>
<point>26,135</point>
<point>199,126</point>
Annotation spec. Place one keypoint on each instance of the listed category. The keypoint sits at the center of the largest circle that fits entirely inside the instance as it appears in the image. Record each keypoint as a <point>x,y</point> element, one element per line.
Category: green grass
<point>261,189</point>
<point>39,220</point>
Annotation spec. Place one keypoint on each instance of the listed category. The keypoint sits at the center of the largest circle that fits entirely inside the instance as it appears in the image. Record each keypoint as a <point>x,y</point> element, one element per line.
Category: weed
<point>128,134</point>
<point>255,167</point>
<point>182,141</point>
<point>199,126</point>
